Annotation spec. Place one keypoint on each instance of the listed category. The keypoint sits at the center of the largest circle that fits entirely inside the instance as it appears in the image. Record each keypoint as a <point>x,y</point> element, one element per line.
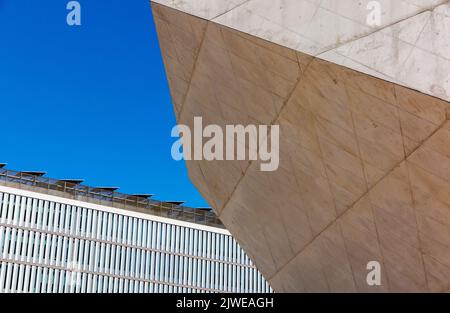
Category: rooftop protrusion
<point>142,195</point>
<point>32,173</point>
<point>72,181</point>
<point>105,188</point>
<point>175,202</point>
<point>204,208</point>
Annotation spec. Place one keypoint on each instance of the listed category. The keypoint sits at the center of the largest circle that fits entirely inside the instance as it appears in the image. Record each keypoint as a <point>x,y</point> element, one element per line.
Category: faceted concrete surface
<point>410,46</point>
<point>364,163</point>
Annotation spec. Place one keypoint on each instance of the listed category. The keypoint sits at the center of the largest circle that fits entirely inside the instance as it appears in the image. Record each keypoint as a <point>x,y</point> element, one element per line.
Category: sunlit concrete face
<point>364,162</point>
<point>408,45</point>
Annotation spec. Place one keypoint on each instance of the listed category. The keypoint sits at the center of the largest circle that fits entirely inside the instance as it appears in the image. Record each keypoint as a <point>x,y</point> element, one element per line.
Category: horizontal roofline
<point>107,196</point>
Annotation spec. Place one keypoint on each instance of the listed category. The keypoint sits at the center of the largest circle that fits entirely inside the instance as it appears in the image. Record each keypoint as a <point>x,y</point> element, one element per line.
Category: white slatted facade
<point>53,246</point>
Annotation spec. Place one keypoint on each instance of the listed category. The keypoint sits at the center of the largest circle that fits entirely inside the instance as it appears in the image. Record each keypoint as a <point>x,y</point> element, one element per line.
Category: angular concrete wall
<point>409,46</point>
<point>364,163</point>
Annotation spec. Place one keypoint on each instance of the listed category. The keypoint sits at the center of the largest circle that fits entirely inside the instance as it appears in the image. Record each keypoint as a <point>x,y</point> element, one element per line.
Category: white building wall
<point>52,244</point>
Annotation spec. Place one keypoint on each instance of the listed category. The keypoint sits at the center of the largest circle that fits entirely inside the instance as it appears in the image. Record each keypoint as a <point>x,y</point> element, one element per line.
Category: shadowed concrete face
<point>364,163</point>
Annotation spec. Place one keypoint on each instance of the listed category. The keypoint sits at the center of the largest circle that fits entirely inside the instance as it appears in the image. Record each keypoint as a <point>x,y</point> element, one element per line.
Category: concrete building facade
<point>365,134</point>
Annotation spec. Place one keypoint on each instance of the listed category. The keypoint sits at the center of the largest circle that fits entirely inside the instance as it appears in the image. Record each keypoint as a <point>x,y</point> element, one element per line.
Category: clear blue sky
<point>90,101</point>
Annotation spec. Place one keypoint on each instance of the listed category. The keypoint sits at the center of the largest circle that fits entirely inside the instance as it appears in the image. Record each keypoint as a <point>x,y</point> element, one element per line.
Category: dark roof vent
<point>72,181</point>
<point>105,188</point>
<point>175,202</point>
<point>32,173</point>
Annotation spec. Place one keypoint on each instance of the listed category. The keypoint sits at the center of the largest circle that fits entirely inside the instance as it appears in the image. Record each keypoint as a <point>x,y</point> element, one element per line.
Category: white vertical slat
<point>22,211</point>
<point>3,206</point>
<point>114,248</point>
<point>3,198</point>
<point>53,227</point>
<point>127,240</point>
<point>26,280</point>
<point>9,270</point>
<point>56,281</point>
<point>2,275</point>
<point>15,274</point>
<point>97,221</point>
<point>121,287</point>
<point>20,278</point>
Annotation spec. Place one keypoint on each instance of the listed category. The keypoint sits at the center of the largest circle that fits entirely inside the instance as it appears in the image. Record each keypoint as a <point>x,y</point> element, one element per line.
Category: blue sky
<point>88,101</point>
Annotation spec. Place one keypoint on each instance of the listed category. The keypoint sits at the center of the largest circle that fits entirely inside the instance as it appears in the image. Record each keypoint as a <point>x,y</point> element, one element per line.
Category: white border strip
<point>88,205</point>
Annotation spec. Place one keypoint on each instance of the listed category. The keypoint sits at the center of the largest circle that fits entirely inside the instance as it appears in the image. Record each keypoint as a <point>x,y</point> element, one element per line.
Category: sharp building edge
<point>364,134</point>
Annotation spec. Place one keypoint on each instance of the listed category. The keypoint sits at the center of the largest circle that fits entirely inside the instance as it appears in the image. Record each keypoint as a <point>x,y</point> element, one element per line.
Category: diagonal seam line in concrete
<point>288,98</point>
<point>298,82</point>
<point>365,194</point>
<point>235,7</point>
<point>429,9</point>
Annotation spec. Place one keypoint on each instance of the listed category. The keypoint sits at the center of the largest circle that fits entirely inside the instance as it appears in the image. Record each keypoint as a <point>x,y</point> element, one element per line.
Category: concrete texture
<point>364,162</point>
<point>412,33</point>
